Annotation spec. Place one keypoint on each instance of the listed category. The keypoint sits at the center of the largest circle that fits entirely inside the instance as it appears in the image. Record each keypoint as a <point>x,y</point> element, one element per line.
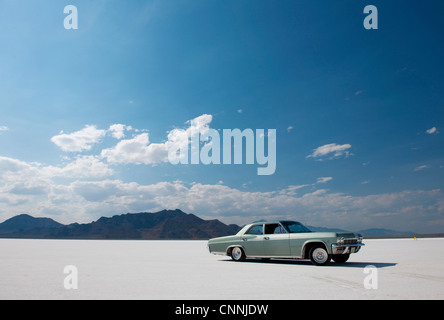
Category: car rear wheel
<point>319,256</point>
<point>237,254</point>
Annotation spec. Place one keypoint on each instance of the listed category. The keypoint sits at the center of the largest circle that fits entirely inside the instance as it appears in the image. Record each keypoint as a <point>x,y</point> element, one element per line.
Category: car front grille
<point>350,241</point>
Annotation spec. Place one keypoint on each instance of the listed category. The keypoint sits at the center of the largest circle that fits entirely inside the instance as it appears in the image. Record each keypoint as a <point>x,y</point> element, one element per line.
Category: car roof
<point>270,221</point>
<point>257,223</point>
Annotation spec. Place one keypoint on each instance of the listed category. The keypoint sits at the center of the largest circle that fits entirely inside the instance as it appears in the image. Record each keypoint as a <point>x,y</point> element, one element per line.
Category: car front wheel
<point>319,256</point>
<point>237,254</point>
<point>340,258</point>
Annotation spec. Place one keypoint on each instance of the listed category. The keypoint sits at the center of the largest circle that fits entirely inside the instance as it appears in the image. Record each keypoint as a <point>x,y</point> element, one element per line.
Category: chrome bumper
<point>346,248</point>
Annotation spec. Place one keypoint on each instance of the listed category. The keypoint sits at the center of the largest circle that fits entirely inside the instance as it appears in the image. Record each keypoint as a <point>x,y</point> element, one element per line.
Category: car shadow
<point>300,262</point>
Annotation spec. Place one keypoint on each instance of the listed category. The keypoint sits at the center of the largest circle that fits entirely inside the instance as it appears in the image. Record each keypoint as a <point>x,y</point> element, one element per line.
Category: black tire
<point>340,258</point>
<point>238,254</point>
<point>319,256</point>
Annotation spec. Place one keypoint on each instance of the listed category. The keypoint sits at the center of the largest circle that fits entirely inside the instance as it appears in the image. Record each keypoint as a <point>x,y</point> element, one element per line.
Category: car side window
<point>256,230</point>
<point>279,229</point>
<point>273,228</point>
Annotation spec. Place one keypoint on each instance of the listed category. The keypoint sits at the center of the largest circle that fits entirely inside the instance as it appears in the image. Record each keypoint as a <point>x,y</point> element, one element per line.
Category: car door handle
<point>244,239</point>
<point>266,238</point>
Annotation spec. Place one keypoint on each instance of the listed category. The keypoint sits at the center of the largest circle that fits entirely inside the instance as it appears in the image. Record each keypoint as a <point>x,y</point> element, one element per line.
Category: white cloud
<point>331,151</point>
<point>11,165</point>
<point>118,130</point>
<point>420,168</point>
<point>82,167</point>
<point>3,129</point>
<point>80,140</point>
<point>199,124</point>
<point>137,150</point>
<point>290,128</point>
<point>37,189</point>
<point>140,150</point>
<point>324,179</point>
<point>432,130</point>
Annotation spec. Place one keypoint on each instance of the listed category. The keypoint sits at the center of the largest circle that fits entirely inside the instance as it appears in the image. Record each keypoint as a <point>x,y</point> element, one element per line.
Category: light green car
<point>288,240</point>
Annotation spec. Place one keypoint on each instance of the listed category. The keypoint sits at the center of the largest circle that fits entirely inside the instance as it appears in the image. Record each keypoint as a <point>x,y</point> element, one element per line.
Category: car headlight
<point>340,240</point>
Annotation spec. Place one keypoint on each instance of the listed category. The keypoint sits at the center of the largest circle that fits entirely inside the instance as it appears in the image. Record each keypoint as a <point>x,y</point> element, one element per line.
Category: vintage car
<point>288,240</point>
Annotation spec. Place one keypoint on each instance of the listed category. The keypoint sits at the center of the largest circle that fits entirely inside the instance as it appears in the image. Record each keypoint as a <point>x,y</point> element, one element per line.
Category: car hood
<point>346,235</point>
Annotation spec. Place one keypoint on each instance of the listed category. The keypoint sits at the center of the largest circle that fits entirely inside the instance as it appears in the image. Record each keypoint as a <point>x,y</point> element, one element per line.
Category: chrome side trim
<point>219,253</point>
<point>336,249</point>
<point>276,257</point>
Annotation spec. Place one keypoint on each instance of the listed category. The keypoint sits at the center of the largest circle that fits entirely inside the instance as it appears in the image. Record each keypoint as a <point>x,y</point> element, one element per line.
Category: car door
<point>297,241</point>
<point>276,241</point>
<point>252,240</point>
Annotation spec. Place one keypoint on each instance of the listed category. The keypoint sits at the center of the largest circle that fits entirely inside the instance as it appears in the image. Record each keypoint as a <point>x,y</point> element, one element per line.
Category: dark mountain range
<point>166,224</point>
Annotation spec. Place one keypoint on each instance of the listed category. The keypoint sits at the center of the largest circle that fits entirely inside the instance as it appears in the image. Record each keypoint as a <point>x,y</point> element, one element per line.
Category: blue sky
<point>371,100</point>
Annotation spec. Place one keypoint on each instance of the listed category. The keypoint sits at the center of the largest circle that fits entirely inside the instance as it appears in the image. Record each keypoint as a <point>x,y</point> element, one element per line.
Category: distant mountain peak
<point>25,222</point>
<point>165,224</point>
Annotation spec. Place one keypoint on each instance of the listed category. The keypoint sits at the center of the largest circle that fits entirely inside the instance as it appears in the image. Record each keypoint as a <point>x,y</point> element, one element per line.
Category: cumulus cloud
<point>80,140</point>
<point>135,150</point>
<point>81,167</point>
<point>331,151</point>
<point>10,164</point>
<point>84,139</point>
<point>432,130</point>
<point>3,129</point>
<point>140,150</point>
<point>37,189</point>
<point>117,131</point>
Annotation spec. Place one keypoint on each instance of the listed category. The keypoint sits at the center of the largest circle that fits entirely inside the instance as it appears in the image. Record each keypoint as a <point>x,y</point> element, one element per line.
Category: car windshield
<point>295,227</point>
